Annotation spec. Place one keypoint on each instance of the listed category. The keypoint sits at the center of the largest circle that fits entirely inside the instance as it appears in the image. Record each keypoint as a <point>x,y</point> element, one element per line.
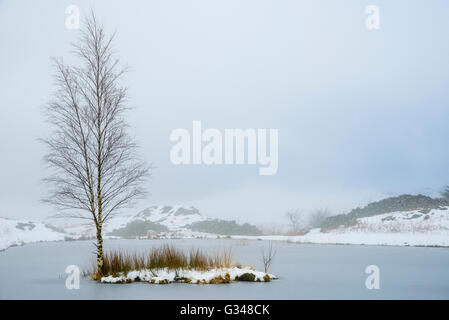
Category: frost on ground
<point>212,276</point>
<point>19,232</point>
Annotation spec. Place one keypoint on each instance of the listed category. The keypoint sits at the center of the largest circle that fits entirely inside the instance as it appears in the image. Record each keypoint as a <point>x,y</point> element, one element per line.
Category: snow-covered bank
<point>405,228</point>
<point>19,232</point>
<point>361,238</point>
<point>213,276</point>
<point>409,228</point>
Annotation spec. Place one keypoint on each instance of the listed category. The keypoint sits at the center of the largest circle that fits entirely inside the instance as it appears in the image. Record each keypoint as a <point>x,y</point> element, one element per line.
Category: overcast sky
<point>361,114</point>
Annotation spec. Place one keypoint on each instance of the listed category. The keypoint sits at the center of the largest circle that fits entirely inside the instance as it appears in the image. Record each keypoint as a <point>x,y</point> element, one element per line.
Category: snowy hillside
<point>18,232</point>
<point>414,228</point>
<point>173,218</point>
<point>176,219</point>
<point>416,221</point>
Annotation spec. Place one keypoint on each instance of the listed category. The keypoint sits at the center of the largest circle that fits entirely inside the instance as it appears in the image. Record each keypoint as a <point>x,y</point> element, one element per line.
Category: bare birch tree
<point>95,169</point>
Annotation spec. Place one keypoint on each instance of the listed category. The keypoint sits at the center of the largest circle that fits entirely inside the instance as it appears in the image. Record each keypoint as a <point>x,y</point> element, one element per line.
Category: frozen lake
<point>37,271</point>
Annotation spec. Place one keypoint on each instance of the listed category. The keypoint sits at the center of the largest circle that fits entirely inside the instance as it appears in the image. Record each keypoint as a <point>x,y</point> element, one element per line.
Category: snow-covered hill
<point>174,218</point>
<point>19,232</point>
<point>416,221</point>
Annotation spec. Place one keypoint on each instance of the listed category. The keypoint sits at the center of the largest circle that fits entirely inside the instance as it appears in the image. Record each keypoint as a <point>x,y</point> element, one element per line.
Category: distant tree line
<point>224,227</point>
<point>138,228</point>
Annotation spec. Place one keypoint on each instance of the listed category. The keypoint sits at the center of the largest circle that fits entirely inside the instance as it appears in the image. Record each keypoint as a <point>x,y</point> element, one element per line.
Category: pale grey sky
<point>361,114</point>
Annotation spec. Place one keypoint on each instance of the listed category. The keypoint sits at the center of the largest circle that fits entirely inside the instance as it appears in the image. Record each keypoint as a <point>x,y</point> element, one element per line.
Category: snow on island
<point>212,276</point>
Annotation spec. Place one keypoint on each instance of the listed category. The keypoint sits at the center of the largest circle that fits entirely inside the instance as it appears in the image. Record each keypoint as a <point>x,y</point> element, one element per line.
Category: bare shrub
<point>268,256</point>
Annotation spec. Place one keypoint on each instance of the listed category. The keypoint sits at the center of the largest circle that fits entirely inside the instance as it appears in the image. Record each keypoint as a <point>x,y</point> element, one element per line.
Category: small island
<point>168,264</point>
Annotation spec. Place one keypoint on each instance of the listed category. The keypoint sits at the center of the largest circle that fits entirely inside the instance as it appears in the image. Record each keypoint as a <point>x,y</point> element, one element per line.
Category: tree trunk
<point>100,258</point>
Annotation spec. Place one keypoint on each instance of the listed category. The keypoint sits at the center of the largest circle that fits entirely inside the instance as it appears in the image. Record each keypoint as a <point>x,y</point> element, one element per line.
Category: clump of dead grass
<point>166,256</point>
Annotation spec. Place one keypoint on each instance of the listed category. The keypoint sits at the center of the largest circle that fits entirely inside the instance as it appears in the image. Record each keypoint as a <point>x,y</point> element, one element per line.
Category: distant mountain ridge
<point>176,219</point>
<point>155,218</point>
<point>160,219</point>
